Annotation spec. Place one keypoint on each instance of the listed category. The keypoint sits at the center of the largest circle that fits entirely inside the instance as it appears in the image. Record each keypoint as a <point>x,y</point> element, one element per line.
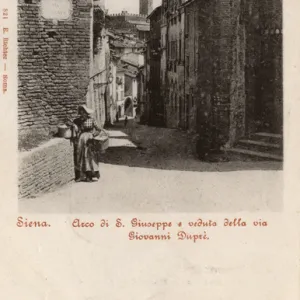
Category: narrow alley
<point>143,171</point>
<point>172,69</point>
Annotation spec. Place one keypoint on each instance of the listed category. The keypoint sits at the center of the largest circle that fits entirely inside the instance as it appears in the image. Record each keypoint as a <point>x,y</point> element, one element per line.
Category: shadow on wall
<point>166,149</point>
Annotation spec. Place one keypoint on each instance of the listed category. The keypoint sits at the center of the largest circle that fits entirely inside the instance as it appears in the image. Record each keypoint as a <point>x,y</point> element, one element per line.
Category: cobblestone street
<point>143,171</point>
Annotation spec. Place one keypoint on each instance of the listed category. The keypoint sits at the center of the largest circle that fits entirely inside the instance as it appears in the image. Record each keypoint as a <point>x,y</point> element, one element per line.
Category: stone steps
<point>259,146</point>
<point>268,138</point>
<point>244,154</point>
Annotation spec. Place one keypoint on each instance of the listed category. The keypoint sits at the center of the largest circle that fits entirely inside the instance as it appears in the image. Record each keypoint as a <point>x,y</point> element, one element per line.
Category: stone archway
<point>128,107</point>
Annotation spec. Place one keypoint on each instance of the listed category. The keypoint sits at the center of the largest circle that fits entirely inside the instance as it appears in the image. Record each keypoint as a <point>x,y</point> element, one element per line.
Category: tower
<point>146,7</point>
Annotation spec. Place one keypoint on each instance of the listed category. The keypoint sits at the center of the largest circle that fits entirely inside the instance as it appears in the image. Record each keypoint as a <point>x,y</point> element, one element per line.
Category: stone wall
<point>53,63</point>
<point>45,168</point>
<point>220,86</point>
<point>240,69</point>
<point>191,67</point>
<point>264,75</point>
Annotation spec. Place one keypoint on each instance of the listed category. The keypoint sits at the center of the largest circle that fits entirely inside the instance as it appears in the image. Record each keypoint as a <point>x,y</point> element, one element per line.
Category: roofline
<point>129,62</point>
<point>187,3</point>
<point>153,11</point>
<point>130,75</point>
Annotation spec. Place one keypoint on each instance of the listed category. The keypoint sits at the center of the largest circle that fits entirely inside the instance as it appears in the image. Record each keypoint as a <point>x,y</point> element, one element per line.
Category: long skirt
<point>86,159</point>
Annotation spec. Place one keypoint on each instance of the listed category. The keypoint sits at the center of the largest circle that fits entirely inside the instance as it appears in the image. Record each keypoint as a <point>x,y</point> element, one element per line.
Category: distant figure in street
<point>84,129</point>
<point>117,117</point>
<point>126,121</point>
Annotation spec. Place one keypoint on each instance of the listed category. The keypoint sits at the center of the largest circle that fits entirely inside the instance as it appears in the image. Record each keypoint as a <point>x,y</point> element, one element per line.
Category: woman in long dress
<point>85,128</point>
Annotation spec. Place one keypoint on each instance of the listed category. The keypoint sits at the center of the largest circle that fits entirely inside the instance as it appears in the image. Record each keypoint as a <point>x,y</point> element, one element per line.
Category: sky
<point>132,6</point>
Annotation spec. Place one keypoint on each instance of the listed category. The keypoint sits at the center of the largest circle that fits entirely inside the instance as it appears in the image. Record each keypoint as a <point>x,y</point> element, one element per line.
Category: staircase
<point>259,146</point>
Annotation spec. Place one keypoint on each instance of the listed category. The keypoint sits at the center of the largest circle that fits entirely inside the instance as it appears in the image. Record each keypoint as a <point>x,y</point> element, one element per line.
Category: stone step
<point>266,134</point>
<point>260,146</point>
<point>258,155</point>
<point>268,137</point>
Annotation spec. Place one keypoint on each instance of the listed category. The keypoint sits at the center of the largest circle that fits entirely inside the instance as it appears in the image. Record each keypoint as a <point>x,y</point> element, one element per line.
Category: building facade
<point>175,109</point>
<point>221,68</point>
<point>188,111</point>
<point>144,105</point>
<point>98,97</point>
<point>163,56</point>
<point>120,81</point>
<point>156,103</point>
<point>112,91</point>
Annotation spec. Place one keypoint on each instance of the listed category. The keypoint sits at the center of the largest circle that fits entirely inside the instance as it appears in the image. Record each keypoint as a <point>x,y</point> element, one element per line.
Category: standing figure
<point>126,121</point>
<point>85,129</point>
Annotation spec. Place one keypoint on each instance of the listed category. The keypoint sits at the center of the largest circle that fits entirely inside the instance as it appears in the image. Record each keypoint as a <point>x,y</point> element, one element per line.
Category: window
<point>187,66</point>
<point>173,49</point>
<point>180,47</point>
<point>195,45</point>
<point>187,24</point>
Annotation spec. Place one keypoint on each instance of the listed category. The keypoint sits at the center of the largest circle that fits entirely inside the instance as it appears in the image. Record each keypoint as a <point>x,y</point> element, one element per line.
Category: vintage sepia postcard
<point>148,149</point>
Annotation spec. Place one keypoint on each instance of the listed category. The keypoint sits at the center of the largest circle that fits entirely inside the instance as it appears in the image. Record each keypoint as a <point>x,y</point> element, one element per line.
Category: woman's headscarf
<point>89,111</point>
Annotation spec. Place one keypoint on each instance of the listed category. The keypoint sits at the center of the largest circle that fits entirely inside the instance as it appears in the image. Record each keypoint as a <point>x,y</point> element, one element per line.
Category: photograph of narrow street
<point>177,108</point>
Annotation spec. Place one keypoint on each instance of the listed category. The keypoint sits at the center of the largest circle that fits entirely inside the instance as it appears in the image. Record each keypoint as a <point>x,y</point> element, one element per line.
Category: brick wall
<point>45,168</point>
<point>53,64</point>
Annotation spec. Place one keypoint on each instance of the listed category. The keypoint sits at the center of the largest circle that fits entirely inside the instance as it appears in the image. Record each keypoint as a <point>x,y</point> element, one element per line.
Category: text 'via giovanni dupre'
<point>157,230</point>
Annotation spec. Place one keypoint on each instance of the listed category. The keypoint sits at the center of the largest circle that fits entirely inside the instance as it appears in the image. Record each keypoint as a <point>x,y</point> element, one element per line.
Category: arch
<point>128,106</point>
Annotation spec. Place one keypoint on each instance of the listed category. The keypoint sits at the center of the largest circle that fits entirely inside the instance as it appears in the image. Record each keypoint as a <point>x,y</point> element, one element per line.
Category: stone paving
<point>151,170</point>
